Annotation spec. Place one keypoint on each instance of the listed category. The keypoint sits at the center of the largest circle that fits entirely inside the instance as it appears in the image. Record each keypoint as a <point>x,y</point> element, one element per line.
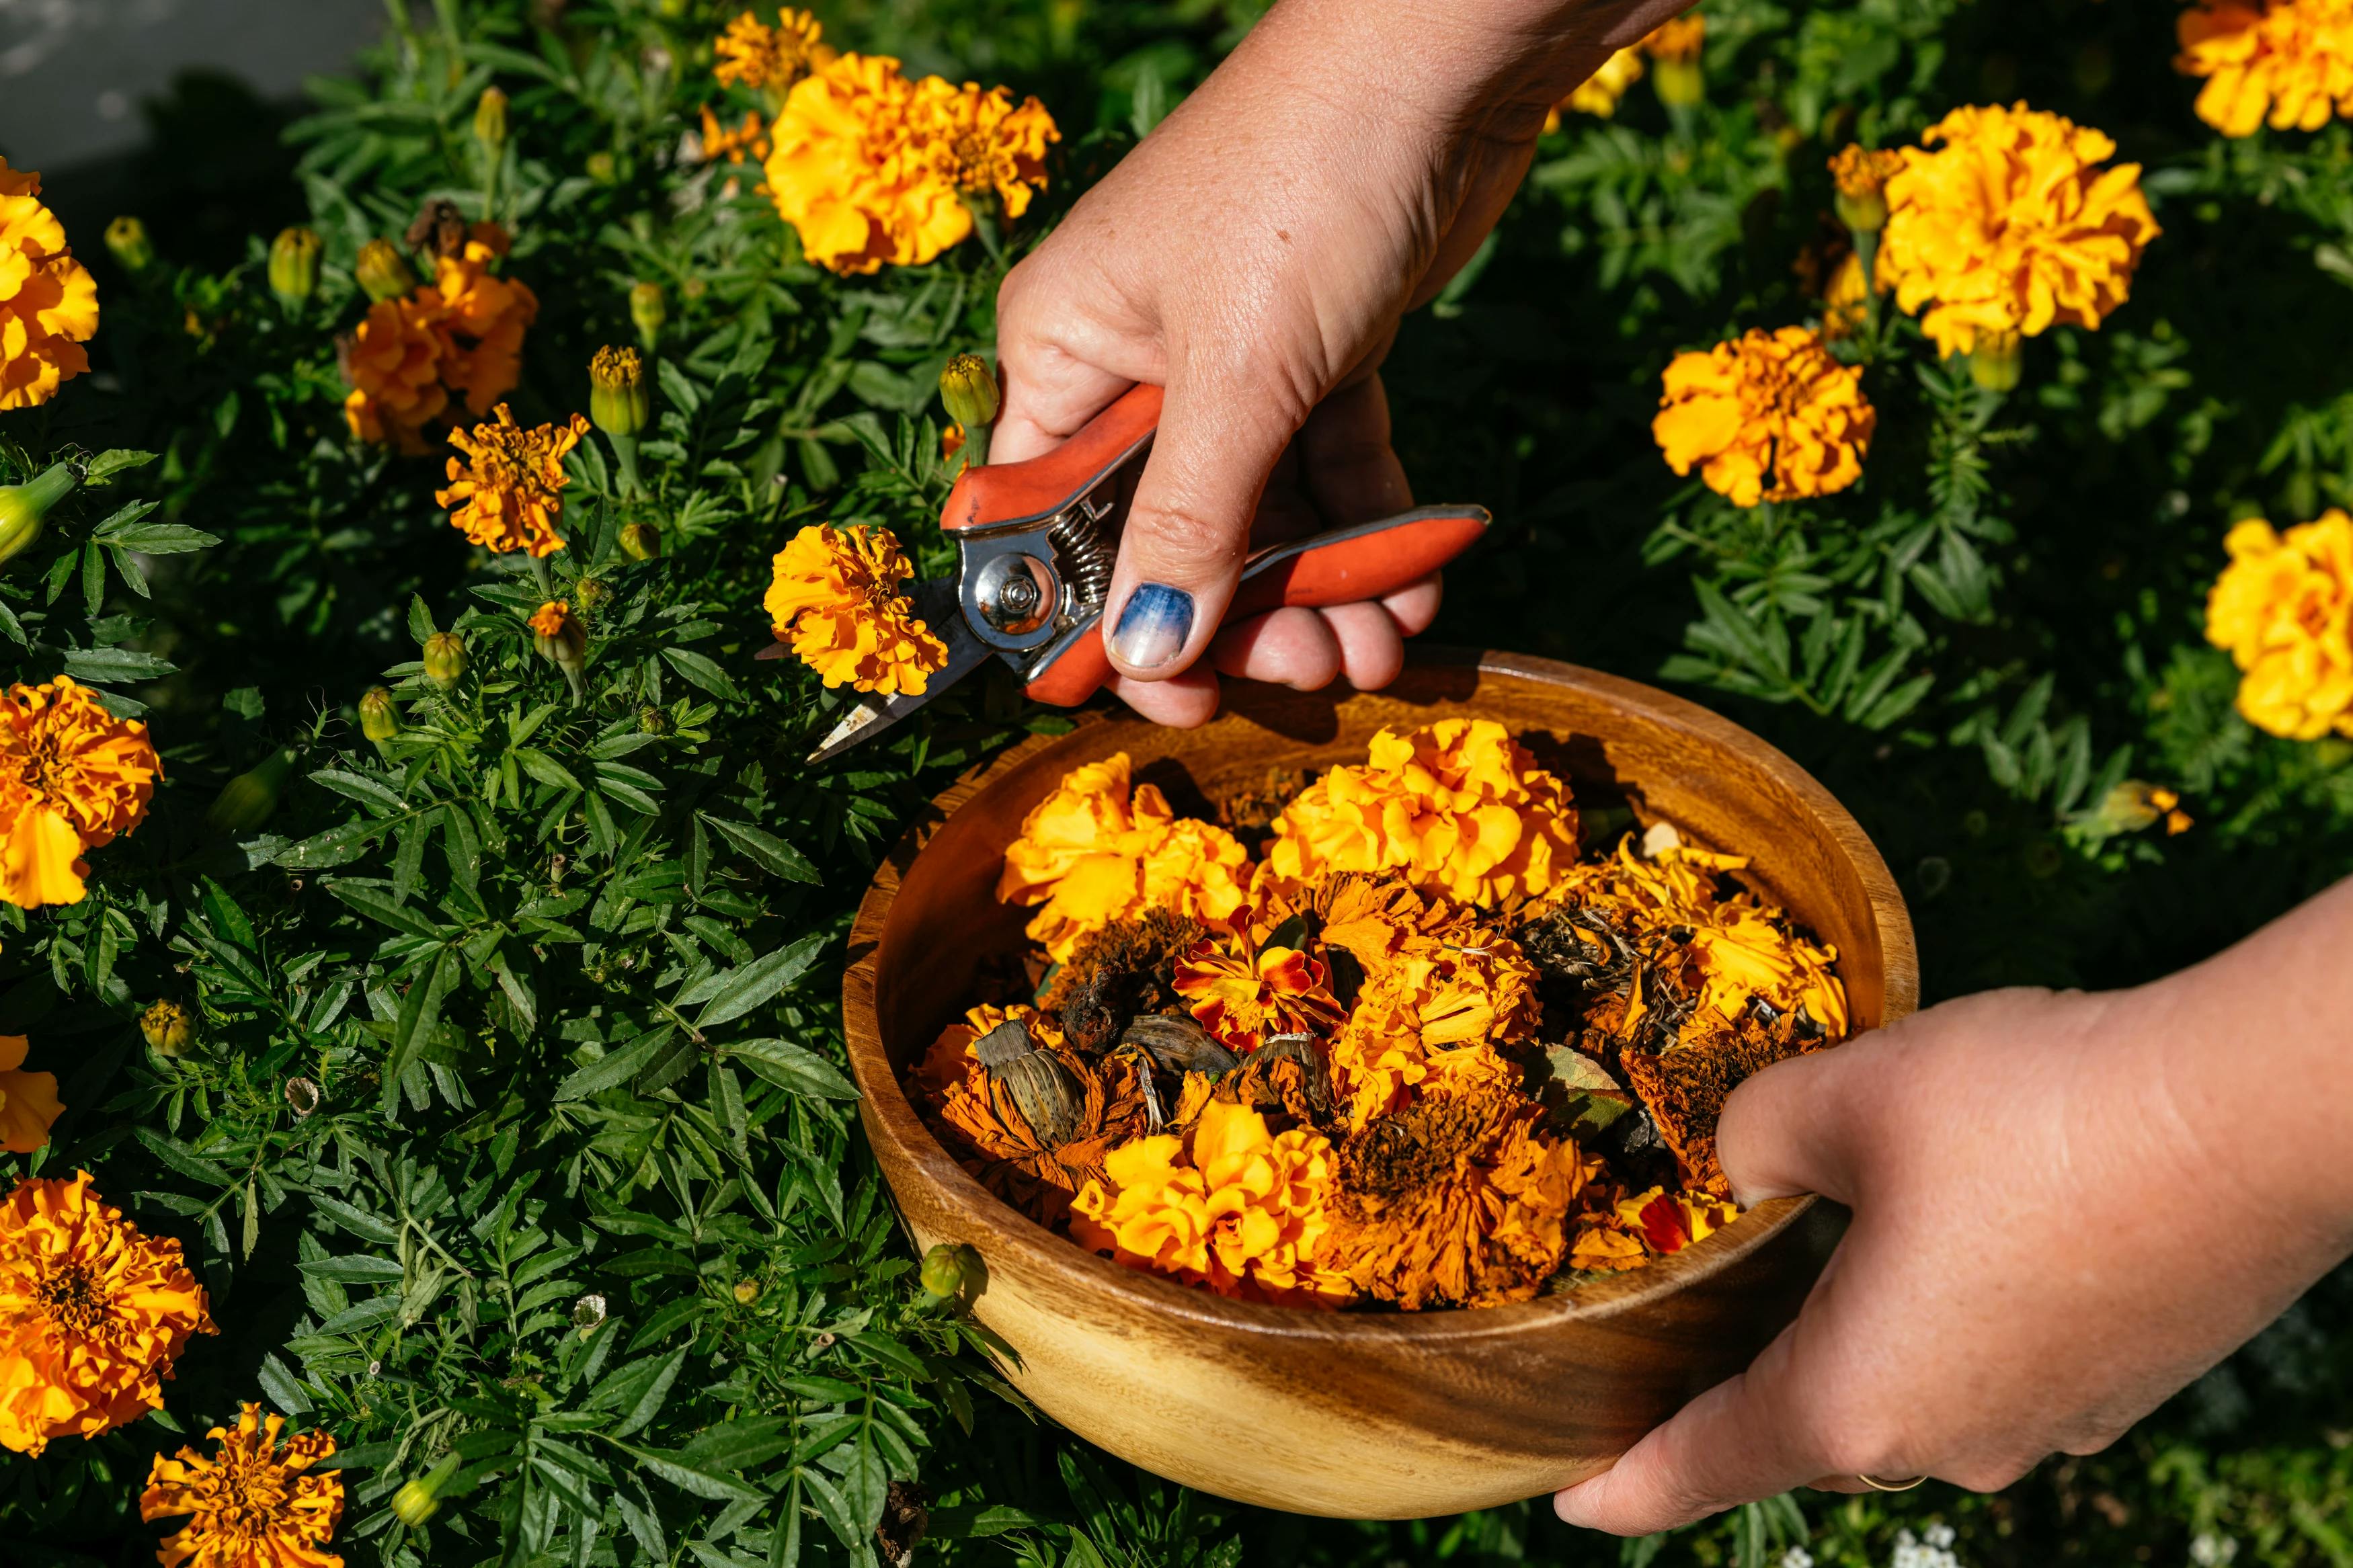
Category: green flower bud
<point>294,264</point>
<point>969,390</point>
<point>420,1497</point>
<point>1679,84</point>
<point>641,542</point>
<point>602,168</point>
<point>166,1028</point>
<point>1999,361</point>
<point>490,119</point>
<point>746,1292</point>
<point>652,720</point>
<point>379,720</point>
<point>647,312</point>
<point>445,658</point>
<point>22,507</point>
<point>127,238</point>
<point>620,401</point>
<point>942,1275</point>
<point>245,802</point>
<point>383,272</point>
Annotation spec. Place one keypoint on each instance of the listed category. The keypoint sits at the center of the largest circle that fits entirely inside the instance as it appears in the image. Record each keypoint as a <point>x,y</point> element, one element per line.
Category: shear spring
<point>1088,556</point>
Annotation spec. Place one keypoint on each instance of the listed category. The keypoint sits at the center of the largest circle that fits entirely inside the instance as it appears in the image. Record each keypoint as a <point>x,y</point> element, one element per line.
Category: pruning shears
<point>1036,541</point>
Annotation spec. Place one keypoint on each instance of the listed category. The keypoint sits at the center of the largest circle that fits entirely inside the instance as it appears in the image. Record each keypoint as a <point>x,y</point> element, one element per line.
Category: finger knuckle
<point>1181,535</point>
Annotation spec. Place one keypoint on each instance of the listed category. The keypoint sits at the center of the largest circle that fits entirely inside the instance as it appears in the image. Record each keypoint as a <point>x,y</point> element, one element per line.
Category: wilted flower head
<point>48,302</point>
<point>92,1314</point>
<point>508,495</point>
<point>1769,416</point>
<point>752,54</point>
<point>253,1503</point>
<point>2011,225</point>
<point>73,777</point>
<point>835,598</point>
<point>2284,609</point>
<point>2285,63</point>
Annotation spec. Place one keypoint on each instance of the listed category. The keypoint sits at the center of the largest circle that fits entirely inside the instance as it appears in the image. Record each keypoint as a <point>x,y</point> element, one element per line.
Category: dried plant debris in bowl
<point>1424,1050</point>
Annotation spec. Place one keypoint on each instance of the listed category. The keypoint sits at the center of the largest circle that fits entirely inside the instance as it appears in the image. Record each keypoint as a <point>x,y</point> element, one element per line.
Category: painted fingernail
<point>1153,628</point>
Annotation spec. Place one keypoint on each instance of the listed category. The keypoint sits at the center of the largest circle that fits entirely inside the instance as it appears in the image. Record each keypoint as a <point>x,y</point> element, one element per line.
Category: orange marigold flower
<point>1678,39</point>
<point>481,316</point>
<point>255,1503</point>
<point>1861,172</point>
<point>394,363</point>
<point>1429,1021</point>
<point>73,777</point>
<point>835,598</point>
<point>975,139</point>
<point>1769,416</point>
<point>752,54</point>
<point>48,302</point>
<point>2285,63</point>
<point>718,141</point>
<point>1599,94</point>
<point>1244,994</point>
<point>1096,850</point>
<point>1457,806</point>
<point>509,493</point>
<point>2011,225</point>
<point>1846,301</point>
<point>92,1314</point>
<point>28,1101</point>
<point>2284,609</point>
<point>1236,1207</point>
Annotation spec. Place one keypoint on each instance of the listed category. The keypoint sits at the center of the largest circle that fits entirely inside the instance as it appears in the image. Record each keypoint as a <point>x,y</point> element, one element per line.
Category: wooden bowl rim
<point>1002,1233</point>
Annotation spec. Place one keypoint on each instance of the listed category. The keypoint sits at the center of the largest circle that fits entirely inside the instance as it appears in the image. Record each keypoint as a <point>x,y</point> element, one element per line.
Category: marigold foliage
<point>1769,416</point>
<point>833,595</point>
<point>2287,64</point>
<point>254,1502</point>
<point>72,777</point>
<point>2004,220</point>
<point>2283,610</point>
<point>48,304</point>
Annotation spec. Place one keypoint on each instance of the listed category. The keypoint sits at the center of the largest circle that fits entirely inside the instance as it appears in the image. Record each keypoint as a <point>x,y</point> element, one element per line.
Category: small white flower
<point>1939,1536</point>
<point>2208,1550</point>
<point>1911,1552</point>
<point>1797,1557</point>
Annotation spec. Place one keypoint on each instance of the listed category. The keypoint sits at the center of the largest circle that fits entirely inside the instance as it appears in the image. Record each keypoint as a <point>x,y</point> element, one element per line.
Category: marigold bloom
<point>394,363</point>
<point>752,54</point>
<point>1244,994</point>
<point>835,598</point>
<point>28,1101</point>
<point>1599,94</point>
<point>2284,609</point>
<point>1769,416</point>
<point>481,319</point>
<point>2011,225</point>
<point>508,494</point>
<point>1654,1223</point>
<point>1457,806</point>
<point>749,138</point>
<point>73,777</point>
<point>978,140</point>
<point>1239,1209</point>
<point>1862,173</point>
<point>1429,1021</point>
<point>1678,38</point>
<point>49,301</point>
<point>2285,63</point>
<point>255,1503</point>
<point>92,1314</point>
<point>1096,851</point>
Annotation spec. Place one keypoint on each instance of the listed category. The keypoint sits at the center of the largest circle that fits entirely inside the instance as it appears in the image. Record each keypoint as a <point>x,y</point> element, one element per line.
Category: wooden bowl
<point>1364,1415</point>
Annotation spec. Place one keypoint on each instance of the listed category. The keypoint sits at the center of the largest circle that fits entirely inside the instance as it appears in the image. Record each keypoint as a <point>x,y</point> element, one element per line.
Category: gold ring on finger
<point>1875,1484</point>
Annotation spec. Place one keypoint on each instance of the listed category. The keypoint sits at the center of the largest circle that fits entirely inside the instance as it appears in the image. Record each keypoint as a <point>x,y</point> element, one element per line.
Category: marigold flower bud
<point>943,1275</point>
<point>383,272</point>
<point>126,236</point>
<point>245,802</point>
<point>379,720</point>
<point>1679,84</point>
<point>619,403</point>
<point>558,636</point>
<point>592,593</point>
<point>588,1313</point>
<point>1862,174</point>
<point>166,1028</point>
<point>602,168</point>
<point>1999,361</point>
<point>294,264</point>
<point>646,310</point>
<point>968,388</point>
<point>22,507</point>
<point>490,119</point>
<point>641,542</point>
<point>652,720</point>
<point>746,1292</point>
<point>445,658</point>
<point>420,1497</point>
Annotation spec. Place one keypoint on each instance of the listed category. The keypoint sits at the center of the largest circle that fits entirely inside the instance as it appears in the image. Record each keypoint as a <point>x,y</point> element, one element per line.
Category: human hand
<point>2066,1207</point>
<point>1253,256</point>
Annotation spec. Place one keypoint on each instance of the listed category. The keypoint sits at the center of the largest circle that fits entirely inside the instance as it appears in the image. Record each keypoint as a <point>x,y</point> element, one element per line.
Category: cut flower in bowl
<point>1244,1056</point>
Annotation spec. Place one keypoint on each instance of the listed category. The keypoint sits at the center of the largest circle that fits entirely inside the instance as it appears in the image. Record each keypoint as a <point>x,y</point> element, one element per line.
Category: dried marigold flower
<point>1244,994</point>
<point>1457,807</point>
<point>2285,63</point>
<point>72,777</point>
<point>49,301</point>
<point>28,1101</point>
<point>253,1503</point>
<point>752,54</point>
<point>1654,1223</point>
<point>509,493</point>
<point>2283,610</point>
<point>1114,974</point>
<point>92,1314</point>
<point>1237,1207</point>
<point>1769,416</point>
<point>1599,93</point>
<point>1429,1021</point>
<point>1096,851</point>
<point>2011,225</point>
<point>834,599</point>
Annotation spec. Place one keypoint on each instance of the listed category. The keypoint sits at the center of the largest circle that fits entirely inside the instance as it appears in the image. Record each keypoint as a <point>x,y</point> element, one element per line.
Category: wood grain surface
<point>1364,1415</point>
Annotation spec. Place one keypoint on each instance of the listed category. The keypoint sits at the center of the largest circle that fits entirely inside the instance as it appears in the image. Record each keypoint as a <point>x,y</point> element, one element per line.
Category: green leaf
<point>757,983</point>
<point>791,1067</point>
<point>359,1222</point>
<point>702,671</point>
<point>686,1478</point>
<point>614,1067</point>
<point>772,853</point>
<point>114,460</point>
<point>100,665</point>
<point>352,1267</point>
<point>420,1010</point>
<point>649,1404</point>
<point>370,899</point>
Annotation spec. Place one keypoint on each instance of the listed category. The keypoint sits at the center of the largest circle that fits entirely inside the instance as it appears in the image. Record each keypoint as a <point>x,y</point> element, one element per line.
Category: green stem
<point>625,453</point>
<point>975,447</point>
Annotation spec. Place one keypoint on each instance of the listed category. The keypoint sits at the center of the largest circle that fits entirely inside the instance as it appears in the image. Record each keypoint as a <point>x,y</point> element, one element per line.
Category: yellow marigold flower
<point>1429,1020</point>
<point>1769,416</point>
<point>977,140</point>
<point>752,54</point>
<point>28,1101</point>
<point>481,321</point>
<point>508,494</point>
<point>2282,609</point>
<point>92,1314</point>
<point>73,777</point>
<point>256,1503</point>
<point>1598,93</point>
<point>394,363</point>
<point>2285,63</point>
<point>749,138</point>
<point>835,598</point>
<point>2011,225</point>
<point>1096,851</point>
<point>1846,302</point>
<point>1678,39</point>
<point>49,301</point>
<point>1239,1209</point>
<point>1245,995</point>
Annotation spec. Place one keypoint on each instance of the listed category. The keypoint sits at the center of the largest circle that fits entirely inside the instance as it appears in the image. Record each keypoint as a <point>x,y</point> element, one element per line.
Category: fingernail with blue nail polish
<point>1153,628</point>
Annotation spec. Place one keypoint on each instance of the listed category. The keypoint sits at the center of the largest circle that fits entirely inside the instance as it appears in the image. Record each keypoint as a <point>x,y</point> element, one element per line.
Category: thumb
<point>1188,529</point>
<point>1788,1130</point>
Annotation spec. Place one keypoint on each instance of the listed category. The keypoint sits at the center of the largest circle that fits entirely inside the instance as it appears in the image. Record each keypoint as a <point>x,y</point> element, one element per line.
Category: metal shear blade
<point>935,604</point>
